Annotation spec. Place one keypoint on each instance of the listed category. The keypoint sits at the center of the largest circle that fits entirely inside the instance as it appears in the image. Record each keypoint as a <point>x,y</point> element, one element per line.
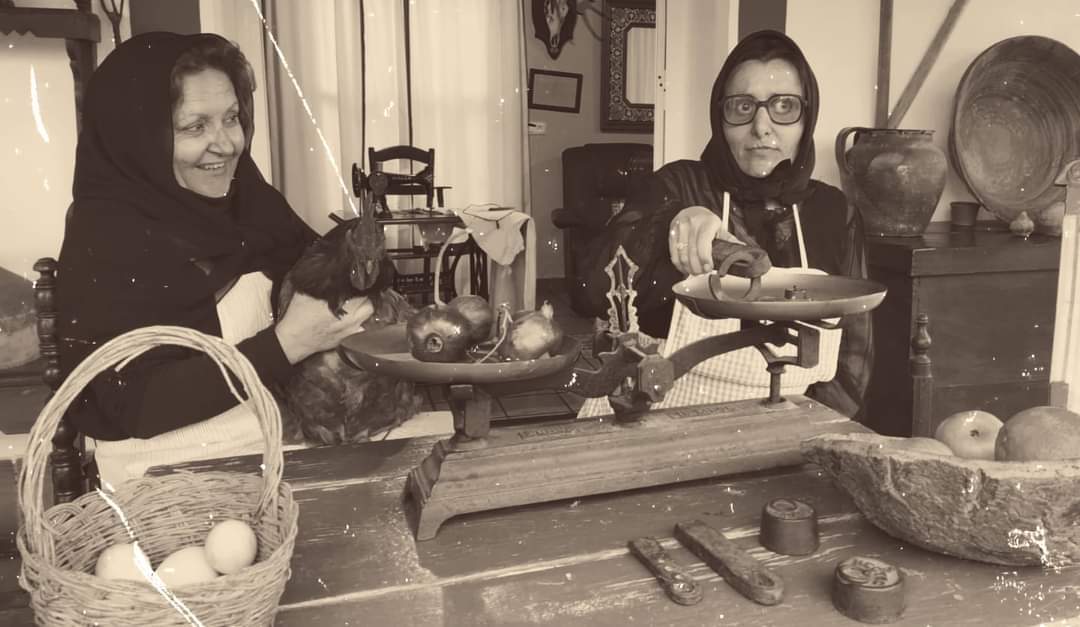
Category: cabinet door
<point>992,339</point>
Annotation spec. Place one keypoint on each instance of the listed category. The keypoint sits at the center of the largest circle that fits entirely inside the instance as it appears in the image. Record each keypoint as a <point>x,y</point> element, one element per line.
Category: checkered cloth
<point>733,376</point>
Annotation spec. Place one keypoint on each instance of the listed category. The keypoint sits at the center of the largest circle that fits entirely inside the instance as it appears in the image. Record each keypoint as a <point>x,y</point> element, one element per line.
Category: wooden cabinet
<point>990,299</point>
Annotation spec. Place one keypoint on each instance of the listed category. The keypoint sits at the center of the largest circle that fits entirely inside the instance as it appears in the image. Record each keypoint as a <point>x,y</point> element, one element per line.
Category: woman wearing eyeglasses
<point>752,185</point>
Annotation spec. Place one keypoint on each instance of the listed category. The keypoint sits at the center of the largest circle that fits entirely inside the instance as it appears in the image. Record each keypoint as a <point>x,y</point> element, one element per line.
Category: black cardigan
<point>169,387</point>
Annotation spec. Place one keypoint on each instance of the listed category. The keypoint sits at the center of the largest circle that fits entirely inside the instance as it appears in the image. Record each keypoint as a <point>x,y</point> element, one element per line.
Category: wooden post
<point>884,64</point>
<point>922,380</point>
<point>66,458</point>
<point>921,72</point>
<point>1065,359</point>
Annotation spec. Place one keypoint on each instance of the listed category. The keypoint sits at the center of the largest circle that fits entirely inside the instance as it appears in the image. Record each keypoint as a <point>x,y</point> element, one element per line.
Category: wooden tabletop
<point>566,563</point>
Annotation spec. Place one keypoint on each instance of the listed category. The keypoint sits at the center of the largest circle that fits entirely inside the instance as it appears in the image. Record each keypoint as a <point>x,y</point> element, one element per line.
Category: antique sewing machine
<point>381,183</point>
<point>482,467</point>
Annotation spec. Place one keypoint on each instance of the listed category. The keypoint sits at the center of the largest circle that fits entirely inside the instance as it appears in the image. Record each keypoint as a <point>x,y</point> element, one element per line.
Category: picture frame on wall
<point>555,91</point>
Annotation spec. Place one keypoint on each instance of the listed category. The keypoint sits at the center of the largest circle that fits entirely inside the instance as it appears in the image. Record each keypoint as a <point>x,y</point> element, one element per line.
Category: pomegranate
<point>478,312</point>
<point>532,334</point>
<point>438,333</point>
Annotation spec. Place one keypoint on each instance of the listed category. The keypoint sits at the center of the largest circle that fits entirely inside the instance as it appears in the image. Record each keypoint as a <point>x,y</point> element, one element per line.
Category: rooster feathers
<point>328,401</point>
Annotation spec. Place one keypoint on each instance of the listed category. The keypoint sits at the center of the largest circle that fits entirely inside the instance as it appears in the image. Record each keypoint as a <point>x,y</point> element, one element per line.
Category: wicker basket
<point>59,547</point>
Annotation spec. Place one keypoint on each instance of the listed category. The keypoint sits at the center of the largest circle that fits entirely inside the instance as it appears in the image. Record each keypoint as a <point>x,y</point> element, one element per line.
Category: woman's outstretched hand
<point>309,327</point>
<point>690,239</point>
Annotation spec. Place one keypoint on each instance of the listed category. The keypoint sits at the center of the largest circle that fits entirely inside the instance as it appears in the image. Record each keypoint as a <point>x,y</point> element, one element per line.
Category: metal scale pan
<point>781,296</point>
<point>386,351</point>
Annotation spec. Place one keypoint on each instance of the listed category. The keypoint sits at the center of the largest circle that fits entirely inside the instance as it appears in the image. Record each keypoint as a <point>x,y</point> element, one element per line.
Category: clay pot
<point>893,176</point>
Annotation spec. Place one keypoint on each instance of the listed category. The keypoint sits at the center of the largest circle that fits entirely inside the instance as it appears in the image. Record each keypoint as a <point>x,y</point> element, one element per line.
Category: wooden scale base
<point>560,460</point>
<point>480,468</point>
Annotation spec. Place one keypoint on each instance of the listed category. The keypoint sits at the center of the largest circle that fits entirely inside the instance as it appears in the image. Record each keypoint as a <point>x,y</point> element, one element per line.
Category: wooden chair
<point>418,286</point>
<point>81,32</point>
<point>73,469</point>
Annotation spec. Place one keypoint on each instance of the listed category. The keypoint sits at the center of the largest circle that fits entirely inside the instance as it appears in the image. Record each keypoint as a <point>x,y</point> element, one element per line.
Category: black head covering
<point>133,232</point>
<point>788,181</point>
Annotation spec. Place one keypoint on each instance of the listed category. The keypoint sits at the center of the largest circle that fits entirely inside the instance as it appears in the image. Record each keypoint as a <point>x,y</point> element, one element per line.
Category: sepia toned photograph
<point>539,312</point>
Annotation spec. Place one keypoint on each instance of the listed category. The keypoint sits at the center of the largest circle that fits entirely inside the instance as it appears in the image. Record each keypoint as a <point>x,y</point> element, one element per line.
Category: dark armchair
<point>596,181</point>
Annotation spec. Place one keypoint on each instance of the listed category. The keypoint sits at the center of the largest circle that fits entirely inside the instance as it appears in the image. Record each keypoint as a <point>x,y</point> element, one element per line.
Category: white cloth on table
<point>497,232</point>
<point>503,235</point>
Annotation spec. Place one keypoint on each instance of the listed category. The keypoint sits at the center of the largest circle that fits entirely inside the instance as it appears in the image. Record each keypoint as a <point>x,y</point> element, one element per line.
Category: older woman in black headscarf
<point>172,224</point>
<point>754,175</point>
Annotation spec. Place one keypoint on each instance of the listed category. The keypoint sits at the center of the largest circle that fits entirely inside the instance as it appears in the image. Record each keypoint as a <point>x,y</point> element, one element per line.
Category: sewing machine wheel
<point>781,296</point>
<point>386,351</point>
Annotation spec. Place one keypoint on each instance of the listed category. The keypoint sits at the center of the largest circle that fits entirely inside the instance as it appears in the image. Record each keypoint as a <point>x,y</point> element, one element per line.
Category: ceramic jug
<point>893,176</point>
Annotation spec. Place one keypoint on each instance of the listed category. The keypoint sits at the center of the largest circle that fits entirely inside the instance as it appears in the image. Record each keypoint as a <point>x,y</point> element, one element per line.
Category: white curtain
<point>468,81</point>
<point>467,94</point>
<point>310,96</point>
<point>466,97</point>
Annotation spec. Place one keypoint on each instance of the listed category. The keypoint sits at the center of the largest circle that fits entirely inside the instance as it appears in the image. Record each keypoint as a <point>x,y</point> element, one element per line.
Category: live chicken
<point>328,401</point>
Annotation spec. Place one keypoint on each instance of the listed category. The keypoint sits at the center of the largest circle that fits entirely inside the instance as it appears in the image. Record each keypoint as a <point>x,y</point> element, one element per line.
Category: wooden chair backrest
<point>68,463</point>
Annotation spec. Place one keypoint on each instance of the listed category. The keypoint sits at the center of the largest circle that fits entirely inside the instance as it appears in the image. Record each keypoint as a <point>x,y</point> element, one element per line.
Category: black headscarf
<point>133,233</point>
<point>788,181</point>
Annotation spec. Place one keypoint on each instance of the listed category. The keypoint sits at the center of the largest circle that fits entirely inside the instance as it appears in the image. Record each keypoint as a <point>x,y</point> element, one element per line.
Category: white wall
<point>697,38</point>
<point>37,160</point>
<point>564,130</point>
<point>839,38</point>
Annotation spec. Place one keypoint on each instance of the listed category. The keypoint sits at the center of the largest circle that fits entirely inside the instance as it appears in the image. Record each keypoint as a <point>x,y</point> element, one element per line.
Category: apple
<point>970,434</point>
<point>922,445</point>
<point>438,333</point>
<point>1039,434</point>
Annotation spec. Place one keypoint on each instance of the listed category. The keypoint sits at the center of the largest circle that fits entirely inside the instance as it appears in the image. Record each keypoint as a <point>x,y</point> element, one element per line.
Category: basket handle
<point>117,352</point>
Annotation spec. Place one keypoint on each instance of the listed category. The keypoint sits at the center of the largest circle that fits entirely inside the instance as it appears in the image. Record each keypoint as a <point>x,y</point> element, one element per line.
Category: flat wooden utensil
<point>675,578</point>
<point>742,572</point>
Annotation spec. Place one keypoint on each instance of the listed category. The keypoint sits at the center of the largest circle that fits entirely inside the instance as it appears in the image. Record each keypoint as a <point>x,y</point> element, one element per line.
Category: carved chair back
<point>71,465</point>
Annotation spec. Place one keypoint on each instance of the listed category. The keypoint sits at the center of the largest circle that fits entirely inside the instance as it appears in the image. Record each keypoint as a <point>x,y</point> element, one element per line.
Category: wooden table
<point>565,563</point>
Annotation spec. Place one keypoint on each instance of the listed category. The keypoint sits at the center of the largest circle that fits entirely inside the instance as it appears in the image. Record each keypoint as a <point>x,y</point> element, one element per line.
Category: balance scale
<point>482,468</point>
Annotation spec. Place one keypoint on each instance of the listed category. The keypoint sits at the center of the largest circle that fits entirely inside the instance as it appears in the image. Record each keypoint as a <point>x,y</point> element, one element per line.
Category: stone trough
<point>1013,513</point>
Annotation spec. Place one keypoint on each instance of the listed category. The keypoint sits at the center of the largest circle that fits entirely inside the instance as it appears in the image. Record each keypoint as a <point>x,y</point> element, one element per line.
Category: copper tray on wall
<point>1016,123</point>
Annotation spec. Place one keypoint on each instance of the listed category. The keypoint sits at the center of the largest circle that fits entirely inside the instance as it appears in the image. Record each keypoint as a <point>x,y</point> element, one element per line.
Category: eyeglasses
<point>784,109</point>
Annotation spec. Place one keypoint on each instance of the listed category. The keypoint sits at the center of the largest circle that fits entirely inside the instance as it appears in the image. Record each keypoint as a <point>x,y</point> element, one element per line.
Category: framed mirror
<point>627,75</point>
